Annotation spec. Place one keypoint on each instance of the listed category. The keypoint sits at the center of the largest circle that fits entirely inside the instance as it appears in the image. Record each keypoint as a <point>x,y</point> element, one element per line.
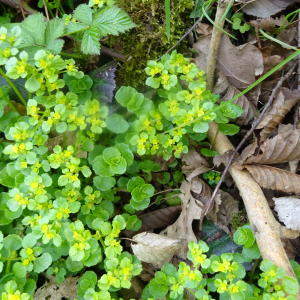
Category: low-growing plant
<point>58,199</point>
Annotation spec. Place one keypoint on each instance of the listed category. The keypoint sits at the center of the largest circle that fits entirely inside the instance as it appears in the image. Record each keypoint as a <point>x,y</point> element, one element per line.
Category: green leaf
<point>34,25</point>
<point>140,205</point>
<point>120,168</point>
<point>12,242</point>
<point>201,127</point>
<point>55,46</point>
<point>88,145</point>
<point>19,270</point>
<point>32,85</point>
<point>125,152</point>
<point>209,153</point>
<point>229,129</point>
<point>83,13</point>
<point>116,123</point>
<point>252,252</point>
<point>42,263</point>
<point>90,42</point>
<point>125,94</point>
<point>290,285</point>
<point>104,183</point>
<point>157,290</point>
<point>113,21</point>
<point>54,29</point>
<point>72,27</point>
<point>153,82</point>
<point>240,237</point>
<point>251,238</point>
<point>101,167</point>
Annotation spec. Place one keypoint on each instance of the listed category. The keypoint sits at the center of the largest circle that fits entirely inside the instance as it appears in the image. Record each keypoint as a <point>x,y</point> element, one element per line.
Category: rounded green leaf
<point>116,123</point>
<point>158,290</point>
<point>101,167</point>
<point>201,127</point>
<point>240,237</point>
<point>12,242</point>
<point>104,183</point>
<point>290,285</point>
<point>252,252</point>
<point>229,129</point>
<point>125,94</point>
<point>42,263</point>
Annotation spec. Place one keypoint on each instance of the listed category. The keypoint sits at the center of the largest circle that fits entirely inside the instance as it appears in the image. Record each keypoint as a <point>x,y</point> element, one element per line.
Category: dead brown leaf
<point>284,100</point>
<point>275,179</point>
<point>203,28</point>
<point>268,24</point>
<point>266,8</point>
<point>228,206</point>
<point>19,107</point>
<point>278,149</point>
<point>270,61</point>
<point>224,158</point>
<point>54,291</point>
<point>157,219</point>
<point>182,228</point>
<point>240,66</point>
<point>288,36</point>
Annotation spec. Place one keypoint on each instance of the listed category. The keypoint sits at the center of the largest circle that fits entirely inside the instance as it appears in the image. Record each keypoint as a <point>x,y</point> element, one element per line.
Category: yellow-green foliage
<point>149,39</point>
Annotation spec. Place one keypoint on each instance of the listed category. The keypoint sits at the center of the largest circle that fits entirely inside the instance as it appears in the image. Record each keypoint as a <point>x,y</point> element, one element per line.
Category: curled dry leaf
<point>275,179</point>
<point>288,209</point>
<point>53,291</point>
<point>182,228</point>
<point>265,8</point>
<point>268,24</point>
<point>240,66</point>
<point>203,28</point>
<point>157,219</point>
<point>278,149</point>
<point>270,61</point>
<point>228,206</point>
<point>224,158</point>
<point>224,87</point>
<point>284,100</point>
<point>155,248</point>
<point>200,191</point>
<point>288,36</point>
<point>194,164</point>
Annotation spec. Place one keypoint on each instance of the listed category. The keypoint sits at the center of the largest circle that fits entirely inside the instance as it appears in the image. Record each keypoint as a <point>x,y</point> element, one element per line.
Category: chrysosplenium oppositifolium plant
<point>57,208</point>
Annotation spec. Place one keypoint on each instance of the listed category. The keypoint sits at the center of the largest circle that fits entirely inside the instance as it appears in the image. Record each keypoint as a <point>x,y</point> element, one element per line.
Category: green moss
<point>149,39</point>
<point>239,219</point>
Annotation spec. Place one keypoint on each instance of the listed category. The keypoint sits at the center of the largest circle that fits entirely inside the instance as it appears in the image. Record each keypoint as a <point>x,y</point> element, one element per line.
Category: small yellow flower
<point>34,185</point>
<point>23,164</point>
<point>20,69</point>
<point>56,115</point>
<point>59,215</point>
<point>50,121</point>
<point>22,147</point>
<point>3,37</point>
<point>43,63</point>
<point>26,262</point>
<point>29,251</point>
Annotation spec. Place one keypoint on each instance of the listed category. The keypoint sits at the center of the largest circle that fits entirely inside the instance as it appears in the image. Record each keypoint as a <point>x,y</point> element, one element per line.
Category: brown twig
<point>110,52</point>
<point>214,44</point>
<point>56,14</point>
<point>46,10</point>
<point>287,75</point>
<point>257,37</point>
<point>21,8</point>
<point>296,116</point>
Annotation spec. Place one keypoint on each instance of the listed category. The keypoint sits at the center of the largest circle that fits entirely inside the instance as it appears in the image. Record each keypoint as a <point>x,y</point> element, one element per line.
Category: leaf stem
<point>7,101</point>
<point>13,87</point>
<point>102,242</point>
<point>253,269</point>
<point>277,41</point>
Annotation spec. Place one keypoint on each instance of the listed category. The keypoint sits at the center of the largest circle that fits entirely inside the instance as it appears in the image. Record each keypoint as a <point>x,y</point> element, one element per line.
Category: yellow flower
<point>23,164</point>
<point>206,118</point>
<point>59,215</point>
<point>81,246</point>
<point>3,37</point>
<point>165,78</point>
<point>22,147</point>
<point>26,262</point>
<point>56,115</point>
<point>43,63</point>
<point>50,121</point>
<point>112,280</point>
<point>45,228</point>
<point>15,149</point>
<point>20,69</point>
<point>17,136</point>
<point>74,178</point>
<point>29,251</point>
<point>34,185</point>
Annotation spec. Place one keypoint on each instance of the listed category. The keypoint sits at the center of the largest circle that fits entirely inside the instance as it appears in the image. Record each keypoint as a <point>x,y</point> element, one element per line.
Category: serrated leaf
<point>55,46</point>
<point>54,29</point>
<point>34,25</point>
<point>83,13</point>
<point>90,42</point>
<point>155,248</point>
<point>74,27</point>
<point>113,21</point>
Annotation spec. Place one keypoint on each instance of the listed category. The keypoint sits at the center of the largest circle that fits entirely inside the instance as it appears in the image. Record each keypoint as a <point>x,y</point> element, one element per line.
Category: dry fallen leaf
<point>275,179</point>
<point>54,291</point>
<point>266,8</point>
<point>284,100</point>
<point>288,36</point>
<point>182,228</point>
<point>270,61</point>
<point>155,248</point>
<point>224,158</point>
<point>268,24</point>
<point>157,219</point>
<point>19,107</point>
<point>288,209</point>
<point>278,149</point>
<point>203,28</point>
<point>240,66</point>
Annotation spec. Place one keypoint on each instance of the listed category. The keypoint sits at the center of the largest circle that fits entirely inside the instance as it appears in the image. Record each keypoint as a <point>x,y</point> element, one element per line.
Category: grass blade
<point>168,24</point>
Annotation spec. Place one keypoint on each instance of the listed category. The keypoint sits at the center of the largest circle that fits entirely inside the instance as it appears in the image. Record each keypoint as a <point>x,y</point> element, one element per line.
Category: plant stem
<point>8,266</point>
<point>7,101</point>
<point>253,269</point>
<point>102,242</point>
<point>77,142</point>
<point>191,292</point>
<point>71,55</point>
<point>166,191</point>
<point>29,95</point>
<point>13,87</point>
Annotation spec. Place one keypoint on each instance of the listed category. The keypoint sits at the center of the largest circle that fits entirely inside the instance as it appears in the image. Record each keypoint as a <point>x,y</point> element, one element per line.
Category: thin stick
<point>46,10</point>
<point>56,14</point>
<point>287,75</point>
<point>214,44</point>
<point>257,37</point>
<point>21,7</point>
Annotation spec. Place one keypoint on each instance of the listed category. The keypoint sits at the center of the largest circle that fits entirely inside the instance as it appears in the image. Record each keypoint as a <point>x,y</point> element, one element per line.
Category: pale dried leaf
<point>19,107</point>
<point>155,248</point>
<point>200,191</point>
<point>270,61</point>
<point>203,28</point>
<point>268,24</point>
<point>284,100</point>
<point>182,228</point>
<point>278,149</point>
<point>193,159</point>
<point>248,151</point>
<point>157,219</point>
<point>248,107</point>
<point>239,66</point>
<point>288,36</point>
<point>228,206</point>
<point>293,165</point>
<point>54,291</point>
<point>288,209</point>
<point>275,179</point>
<point>266,8</point>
